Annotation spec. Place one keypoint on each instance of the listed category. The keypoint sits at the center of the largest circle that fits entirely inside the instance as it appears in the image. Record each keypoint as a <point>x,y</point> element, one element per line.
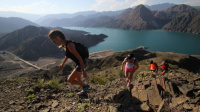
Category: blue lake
<point>156,40</point>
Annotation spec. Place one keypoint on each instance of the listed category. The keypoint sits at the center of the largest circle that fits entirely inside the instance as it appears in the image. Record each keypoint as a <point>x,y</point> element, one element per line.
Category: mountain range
<point>13,23</point>
<point>31,42</point>
<point>30,17</point>
<point>170,17</point>
<point>179,18</point>
<point>160,6</point>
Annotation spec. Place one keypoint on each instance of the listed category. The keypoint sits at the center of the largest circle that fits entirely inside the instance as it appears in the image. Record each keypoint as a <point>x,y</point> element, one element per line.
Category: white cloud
<point>34,7</point>
<point>106,5</point>
<point>193,2</point>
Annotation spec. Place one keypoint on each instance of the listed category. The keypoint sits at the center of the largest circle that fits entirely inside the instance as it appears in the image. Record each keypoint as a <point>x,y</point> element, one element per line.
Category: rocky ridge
<point>173,93</point>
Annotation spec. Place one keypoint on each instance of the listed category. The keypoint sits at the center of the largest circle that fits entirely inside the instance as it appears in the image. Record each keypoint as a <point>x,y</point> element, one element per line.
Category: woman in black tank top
<point>58,38</point>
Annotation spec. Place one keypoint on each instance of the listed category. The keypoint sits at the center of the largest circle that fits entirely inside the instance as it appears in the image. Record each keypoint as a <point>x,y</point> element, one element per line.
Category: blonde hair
<point>54,33</point>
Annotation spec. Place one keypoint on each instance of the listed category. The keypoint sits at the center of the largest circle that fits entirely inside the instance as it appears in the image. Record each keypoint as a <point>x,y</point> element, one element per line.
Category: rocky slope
<point>46,91</point>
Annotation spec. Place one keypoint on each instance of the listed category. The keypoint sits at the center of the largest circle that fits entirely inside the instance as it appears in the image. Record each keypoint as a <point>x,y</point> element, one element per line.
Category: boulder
<point>178,101</point>
<point>154,95</point>
<point>187,106</point>
<point>161,105</point>
<point>196,109</point>
<point>140,94</point>
<point>196,100</point>
<point>185,88</point>
<point>169,88</point>
<point>112,109</point>
<point>54,104</point>
<point>45,110</point>
<point>145,107</point>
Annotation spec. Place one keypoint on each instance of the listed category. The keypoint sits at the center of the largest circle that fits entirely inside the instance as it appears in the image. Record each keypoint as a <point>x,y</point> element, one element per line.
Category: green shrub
<point>54,83</point>
<point>83,106</point>
<point>31,96</point>
<point>30,90</point>
<point>1,80</point>
<point>69,95</point>
<point>121,74</point>
<point>39,83</point>
<point>99,80</point>
<point>21,80</point>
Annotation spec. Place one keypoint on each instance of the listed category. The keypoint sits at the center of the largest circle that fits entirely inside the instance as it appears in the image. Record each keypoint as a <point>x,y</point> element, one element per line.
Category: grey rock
<point>185,88</point>
<point>161,105</point>
<point>45,110</point>
<point>145,107</point>
<point>140,94</point>
<point>178,101</point>
<point>112,109</point>
<point>54,104</point>
<point>186,106</point>
<point>153,94</point>
<point>194,101</point>
<point>169,88</point>
<point>11,102</point>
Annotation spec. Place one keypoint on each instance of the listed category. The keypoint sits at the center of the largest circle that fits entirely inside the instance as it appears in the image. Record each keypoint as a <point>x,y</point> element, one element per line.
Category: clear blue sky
<point>72,6</point>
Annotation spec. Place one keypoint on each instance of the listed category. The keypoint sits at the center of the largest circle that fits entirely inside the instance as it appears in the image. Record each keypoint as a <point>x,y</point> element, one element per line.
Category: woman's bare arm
<point>123,64</point>
<point>63,63</point>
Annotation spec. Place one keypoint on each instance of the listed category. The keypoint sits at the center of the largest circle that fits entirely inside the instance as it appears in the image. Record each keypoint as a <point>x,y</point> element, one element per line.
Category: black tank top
<point>71,55</point>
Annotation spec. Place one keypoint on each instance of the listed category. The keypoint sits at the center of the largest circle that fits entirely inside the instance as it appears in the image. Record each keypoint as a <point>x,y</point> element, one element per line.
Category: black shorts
<point>165,70</point>
<point>78,67</point>
<point>153,70</point>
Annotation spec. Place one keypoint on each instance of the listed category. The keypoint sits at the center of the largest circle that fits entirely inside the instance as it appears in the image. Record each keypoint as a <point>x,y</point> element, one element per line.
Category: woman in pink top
<point>131,65</point>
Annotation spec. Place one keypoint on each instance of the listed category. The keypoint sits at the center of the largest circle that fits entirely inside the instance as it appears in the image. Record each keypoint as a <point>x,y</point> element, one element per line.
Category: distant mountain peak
<point>181,7</point>
<point>141,7</point>
<point>137,18</point>
<point>143,12</point>
<point>162,6</point>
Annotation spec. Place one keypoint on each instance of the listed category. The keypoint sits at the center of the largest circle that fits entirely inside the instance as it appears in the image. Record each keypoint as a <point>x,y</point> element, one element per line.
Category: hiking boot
<point>81,93</point>
<point>84,91</point>
<point>127,79</point>
<point>85,88</point>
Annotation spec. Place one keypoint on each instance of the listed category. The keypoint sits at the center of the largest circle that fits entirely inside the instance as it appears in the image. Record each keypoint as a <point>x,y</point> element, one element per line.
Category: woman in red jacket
<point>165,67</point>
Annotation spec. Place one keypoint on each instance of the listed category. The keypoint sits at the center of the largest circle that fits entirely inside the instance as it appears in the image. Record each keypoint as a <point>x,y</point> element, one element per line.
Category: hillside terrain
<point>47,91</point>
<point>31,42</point>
